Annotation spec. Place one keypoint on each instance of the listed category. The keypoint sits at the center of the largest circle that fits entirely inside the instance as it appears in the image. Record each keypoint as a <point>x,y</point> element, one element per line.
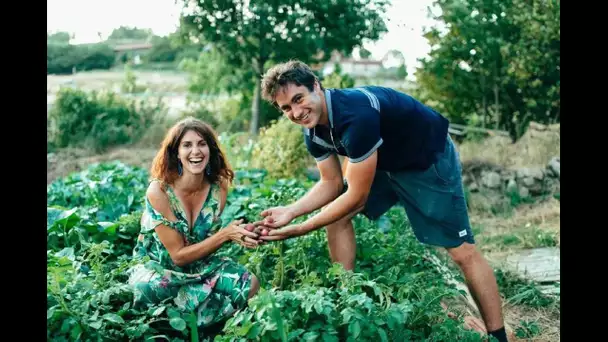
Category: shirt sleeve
<point>318,152</point>
<point>361,135</point>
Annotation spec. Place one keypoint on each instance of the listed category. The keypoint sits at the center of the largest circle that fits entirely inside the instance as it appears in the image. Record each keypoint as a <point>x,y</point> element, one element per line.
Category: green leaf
<point>327,337</point>
<point>96,325</point>
<point>114,318</point>
<point>255,330</point>
<point>67,252</point>
<point>50,312</point>
<point>242,331</point>
<point>172,313</point>
<point>158,311</point>
<point>310,336</point>
<point>382,334</point>
<point>108,227</point>
<point>177,323</point>
<point>354,329</point>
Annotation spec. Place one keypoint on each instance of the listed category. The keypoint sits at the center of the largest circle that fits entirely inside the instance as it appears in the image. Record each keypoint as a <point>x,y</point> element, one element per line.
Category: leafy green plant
<point>393,293</point>
<point>281,150</point>
<point>338,79</point>
<point>112,189</point>
<point>99,120</point>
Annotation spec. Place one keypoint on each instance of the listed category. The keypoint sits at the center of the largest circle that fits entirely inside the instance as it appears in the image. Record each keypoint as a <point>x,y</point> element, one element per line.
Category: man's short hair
<point>281,75</point>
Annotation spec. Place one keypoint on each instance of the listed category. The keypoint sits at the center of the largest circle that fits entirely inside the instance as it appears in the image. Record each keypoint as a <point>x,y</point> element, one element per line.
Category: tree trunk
<point>497,106</point>
<point>258,67</point>
<point>255,108</point>
<point>484,118</point>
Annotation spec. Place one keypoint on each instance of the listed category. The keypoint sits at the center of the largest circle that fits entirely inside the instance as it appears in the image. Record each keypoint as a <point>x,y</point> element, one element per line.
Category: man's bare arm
<point>326,190</point>
<point>360,177</point>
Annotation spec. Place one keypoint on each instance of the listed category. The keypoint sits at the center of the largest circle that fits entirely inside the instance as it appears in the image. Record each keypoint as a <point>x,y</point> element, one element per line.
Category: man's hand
<point>290,231</point>
<point>277,217</point>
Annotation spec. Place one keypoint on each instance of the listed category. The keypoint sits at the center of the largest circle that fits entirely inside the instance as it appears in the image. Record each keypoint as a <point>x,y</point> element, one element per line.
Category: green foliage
<point>129,84</point>
<point>364,53</point>
<point>163,50</point>
<point>393,294</point>
<point>253,35</point>
<point>338,80</point>
<point>281,150</point>
<point>113,188</point>
<point>63,58</point>
<point>210,74</point>
<point>129,33</point>
<point>98,120</point>
<point>522,292</point>
<point>238,148</point>
<point>59,37</point>
<point>401,72</point>
<point>498,60</point>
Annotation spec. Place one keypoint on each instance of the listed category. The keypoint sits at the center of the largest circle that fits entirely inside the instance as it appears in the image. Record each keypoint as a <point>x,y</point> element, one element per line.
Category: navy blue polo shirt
<point>406,133</point>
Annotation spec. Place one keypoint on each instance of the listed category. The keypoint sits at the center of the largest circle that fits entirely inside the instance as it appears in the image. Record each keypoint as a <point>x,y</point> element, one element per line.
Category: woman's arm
<point>174,241</point>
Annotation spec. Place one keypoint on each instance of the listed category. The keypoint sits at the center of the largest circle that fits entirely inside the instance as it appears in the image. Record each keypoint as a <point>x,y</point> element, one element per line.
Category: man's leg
<point>436,207</point>
<point>341,242</point>
<point>341,234</point>
<point>481,282</point>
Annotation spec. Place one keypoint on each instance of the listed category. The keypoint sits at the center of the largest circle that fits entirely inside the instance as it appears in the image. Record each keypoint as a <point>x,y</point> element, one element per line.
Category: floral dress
<point>212,287</point>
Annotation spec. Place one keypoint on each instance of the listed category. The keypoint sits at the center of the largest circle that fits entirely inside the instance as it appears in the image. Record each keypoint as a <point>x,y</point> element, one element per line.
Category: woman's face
<point>193,152</point>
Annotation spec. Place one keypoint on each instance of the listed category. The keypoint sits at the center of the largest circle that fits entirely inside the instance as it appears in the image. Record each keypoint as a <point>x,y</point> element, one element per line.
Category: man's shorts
<point>433,200</point>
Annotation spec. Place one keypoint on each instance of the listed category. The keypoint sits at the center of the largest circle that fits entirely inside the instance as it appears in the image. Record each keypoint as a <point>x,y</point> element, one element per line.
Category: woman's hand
<point>236,232</point>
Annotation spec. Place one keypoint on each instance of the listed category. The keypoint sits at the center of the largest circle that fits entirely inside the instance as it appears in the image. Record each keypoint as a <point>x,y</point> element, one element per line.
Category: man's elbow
<point>359,199</point>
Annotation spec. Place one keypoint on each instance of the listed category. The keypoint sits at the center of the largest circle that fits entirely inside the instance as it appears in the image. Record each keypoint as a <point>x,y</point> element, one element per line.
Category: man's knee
<point>465,254</point>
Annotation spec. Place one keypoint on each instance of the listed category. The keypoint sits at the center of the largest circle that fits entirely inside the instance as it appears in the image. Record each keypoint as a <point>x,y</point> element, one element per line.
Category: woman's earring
<point>179,168</point>
<point>208,170</point>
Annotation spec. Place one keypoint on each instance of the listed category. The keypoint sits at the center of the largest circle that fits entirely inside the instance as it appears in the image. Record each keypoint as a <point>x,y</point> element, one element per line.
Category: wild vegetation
<point>484,70</point>
<point>92,224</point>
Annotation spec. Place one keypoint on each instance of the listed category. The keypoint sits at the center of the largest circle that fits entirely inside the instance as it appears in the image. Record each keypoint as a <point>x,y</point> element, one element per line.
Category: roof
<point>134,46</point>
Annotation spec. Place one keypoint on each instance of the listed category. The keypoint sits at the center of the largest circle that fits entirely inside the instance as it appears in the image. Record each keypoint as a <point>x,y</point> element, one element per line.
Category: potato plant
<point>92,224</point>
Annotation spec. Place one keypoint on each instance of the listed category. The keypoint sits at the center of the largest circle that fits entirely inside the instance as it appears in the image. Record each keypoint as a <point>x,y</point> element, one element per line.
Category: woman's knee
<point>254,287</point>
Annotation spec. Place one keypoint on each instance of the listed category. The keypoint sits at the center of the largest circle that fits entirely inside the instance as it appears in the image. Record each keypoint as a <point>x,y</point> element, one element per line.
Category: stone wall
<point>483,176</point>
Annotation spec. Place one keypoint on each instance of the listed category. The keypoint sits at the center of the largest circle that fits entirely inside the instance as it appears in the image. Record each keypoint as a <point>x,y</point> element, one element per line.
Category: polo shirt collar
<point>330,114</point>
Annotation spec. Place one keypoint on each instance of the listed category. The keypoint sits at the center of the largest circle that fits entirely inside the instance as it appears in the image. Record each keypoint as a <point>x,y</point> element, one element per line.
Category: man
<point>398,150</point>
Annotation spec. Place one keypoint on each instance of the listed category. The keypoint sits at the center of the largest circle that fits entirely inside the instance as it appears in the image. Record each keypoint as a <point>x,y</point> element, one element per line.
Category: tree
<point>59,37</point>
<point>252,35</point>
<point>402,71</point>
<point>364,53</point>
<point>130,33</point>
<point>497,64</point>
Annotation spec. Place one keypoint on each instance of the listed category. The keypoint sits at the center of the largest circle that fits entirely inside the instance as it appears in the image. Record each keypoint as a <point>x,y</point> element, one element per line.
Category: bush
<point>98,120</point>
<point>281,150</point>
<point>64,58</point>
<point>338,80</point>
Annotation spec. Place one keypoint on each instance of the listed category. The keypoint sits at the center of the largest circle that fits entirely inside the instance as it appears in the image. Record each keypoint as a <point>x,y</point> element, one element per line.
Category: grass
<point>156,81</point>
<point>534,149</point>
<point>517,238</point>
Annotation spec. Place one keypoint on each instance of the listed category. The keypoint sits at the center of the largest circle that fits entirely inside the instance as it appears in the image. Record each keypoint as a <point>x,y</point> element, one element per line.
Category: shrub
<point>64,58</point>
<point>281,150</point>
<point>338,80</point>
<point>98,120</point>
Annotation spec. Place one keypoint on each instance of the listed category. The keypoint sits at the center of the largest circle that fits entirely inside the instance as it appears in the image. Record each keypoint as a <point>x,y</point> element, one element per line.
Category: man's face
<point>300,105</point>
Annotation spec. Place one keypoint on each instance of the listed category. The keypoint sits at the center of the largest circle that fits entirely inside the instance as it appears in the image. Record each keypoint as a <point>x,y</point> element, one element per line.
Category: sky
<point>86,18</point>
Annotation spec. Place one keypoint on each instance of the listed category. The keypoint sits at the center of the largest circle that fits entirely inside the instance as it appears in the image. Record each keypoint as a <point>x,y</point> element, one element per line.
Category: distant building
<point>351,66</point>
<point>132,51</point>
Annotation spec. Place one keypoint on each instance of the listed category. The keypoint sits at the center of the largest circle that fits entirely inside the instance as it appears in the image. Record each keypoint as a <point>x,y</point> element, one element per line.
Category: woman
<point>181,229</point>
